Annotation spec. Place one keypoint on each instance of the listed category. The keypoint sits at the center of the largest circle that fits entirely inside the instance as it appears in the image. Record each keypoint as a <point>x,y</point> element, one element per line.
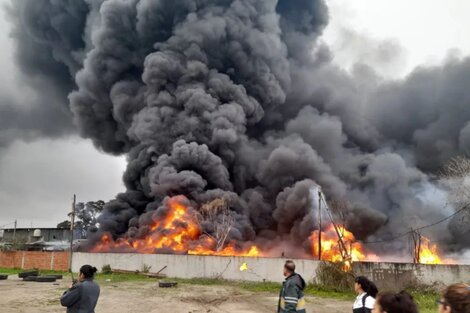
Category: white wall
<point>193,266</point>
<point>388,276</point>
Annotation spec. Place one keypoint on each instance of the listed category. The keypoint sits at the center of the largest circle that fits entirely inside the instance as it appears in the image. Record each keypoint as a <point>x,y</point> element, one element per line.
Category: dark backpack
<point>366,310</point>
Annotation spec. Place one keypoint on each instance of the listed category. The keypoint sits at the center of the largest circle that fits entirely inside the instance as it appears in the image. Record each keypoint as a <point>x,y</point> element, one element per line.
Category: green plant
<point>425,297</point>
<point>334,276</point>
<point>146,268</point>
<point>106,269</point>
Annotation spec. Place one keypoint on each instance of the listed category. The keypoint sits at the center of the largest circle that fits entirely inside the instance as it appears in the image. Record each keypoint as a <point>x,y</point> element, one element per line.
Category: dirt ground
<point>17,296</point>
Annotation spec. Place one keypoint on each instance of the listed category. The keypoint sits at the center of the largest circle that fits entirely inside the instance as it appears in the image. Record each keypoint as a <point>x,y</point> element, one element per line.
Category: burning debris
<point>178,230</point>
<point>175,230</point>
<point>230,113</point>
<point>331,247</point>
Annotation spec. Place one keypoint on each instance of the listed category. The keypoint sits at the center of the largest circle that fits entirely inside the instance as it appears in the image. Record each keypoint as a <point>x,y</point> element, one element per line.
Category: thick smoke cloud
<point>49,46</point>
<point>429,112</point>
<point>238,99</point>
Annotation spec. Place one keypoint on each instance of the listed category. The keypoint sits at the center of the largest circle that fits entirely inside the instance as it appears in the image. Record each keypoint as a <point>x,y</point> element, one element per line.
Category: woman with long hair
<point>366,293</point>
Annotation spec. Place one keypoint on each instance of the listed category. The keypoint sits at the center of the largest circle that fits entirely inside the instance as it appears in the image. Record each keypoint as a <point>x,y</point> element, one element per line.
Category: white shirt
<point>369,302</point>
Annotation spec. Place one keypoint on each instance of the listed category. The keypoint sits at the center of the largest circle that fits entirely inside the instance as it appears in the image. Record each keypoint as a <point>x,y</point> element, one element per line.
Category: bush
<point>334,276</point>
<point>106,269</point>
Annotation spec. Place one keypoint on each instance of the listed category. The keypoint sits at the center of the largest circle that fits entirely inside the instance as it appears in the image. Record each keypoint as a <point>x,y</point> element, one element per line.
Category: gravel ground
<point>17,296</point>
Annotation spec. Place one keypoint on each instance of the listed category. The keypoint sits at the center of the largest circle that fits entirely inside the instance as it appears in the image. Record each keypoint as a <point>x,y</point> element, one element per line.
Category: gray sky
<point>38,179</point>
<point>426,31</point>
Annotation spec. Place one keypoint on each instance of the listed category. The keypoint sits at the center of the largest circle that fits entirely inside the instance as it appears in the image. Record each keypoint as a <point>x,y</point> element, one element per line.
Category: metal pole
<point>14,232</point>
<point>72,220</point>
<point>319,225</point>
<point>342,246</point>
<point>418,259</point>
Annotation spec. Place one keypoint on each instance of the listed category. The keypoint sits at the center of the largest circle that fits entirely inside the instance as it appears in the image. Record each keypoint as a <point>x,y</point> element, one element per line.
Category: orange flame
<point>178,232</point>
<point>331,251</point>
<point>428,253</point>
<point>330,246</point>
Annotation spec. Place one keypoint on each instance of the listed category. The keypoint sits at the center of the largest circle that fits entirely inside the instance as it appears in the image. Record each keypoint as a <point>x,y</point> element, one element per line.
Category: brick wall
<point>58,261</point>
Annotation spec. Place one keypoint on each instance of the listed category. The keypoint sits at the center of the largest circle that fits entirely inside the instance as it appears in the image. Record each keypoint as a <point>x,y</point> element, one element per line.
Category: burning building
<point>238,101</point>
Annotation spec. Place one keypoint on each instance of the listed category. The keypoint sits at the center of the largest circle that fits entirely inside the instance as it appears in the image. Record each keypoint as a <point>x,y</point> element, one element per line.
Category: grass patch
<point>14,271</point>
<point>426,299</point>
<point>329,293</point>
<point>121,277</point>
<point>270,287</point>
<point>9,271</point>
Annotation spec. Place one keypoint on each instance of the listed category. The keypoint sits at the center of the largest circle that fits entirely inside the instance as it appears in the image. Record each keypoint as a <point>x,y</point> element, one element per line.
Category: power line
<point>419,228</point>
<point>445,219</point>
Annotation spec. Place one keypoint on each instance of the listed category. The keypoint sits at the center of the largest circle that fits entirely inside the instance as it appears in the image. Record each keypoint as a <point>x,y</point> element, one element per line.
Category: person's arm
<point>70,297</point>
<point>291,298</point>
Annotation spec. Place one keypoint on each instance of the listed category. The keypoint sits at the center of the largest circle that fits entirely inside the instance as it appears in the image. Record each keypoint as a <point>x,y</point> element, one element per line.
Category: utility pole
<point>342,246</point>
<point>416,239</point>
<point>72,222</point>
<point>319,225</point>
<point>14,232</point>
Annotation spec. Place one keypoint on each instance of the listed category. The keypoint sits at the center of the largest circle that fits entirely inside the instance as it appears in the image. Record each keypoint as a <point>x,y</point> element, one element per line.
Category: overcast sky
<point>38,179</point>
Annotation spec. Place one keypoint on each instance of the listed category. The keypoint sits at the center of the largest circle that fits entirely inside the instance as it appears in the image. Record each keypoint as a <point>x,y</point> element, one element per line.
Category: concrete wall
<point>388,276</point>
<point>193,266</point>
<point>396,276</point>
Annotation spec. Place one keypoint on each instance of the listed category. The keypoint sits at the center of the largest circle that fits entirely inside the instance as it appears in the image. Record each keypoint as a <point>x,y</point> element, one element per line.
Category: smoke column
<point>238,99</point>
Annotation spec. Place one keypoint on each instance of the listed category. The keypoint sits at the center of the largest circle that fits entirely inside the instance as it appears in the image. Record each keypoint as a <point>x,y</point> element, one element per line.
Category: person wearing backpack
<point>366,293</point>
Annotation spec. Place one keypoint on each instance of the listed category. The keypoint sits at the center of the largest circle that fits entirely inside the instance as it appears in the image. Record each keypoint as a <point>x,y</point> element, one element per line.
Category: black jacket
<point>82,297</point>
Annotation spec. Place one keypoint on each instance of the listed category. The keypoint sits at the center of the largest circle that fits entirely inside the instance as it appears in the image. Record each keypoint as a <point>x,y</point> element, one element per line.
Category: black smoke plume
<point>238,99</point>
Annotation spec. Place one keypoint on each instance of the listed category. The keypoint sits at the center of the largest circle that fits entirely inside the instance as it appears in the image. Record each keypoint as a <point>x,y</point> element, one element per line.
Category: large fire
<point>331,246</point>
<point>178,231</point>
<point>354,251</point>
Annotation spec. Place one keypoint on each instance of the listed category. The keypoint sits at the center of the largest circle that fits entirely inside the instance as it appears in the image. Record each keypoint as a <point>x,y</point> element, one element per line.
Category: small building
<point>26,235</point>
<point>40,239</point>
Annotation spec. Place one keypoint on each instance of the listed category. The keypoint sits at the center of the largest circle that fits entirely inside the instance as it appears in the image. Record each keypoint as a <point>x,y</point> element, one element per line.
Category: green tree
<point>64,225</point>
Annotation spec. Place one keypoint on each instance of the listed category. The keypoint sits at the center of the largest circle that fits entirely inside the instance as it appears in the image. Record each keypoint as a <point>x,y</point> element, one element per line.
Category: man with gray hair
<point>291,298</point>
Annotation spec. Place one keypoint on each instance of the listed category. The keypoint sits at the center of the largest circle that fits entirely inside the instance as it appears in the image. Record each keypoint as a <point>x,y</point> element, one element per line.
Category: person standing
<point>291,297</point>
<point>366,293</point>
<point>455,299</point>
<point>83,296</point>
